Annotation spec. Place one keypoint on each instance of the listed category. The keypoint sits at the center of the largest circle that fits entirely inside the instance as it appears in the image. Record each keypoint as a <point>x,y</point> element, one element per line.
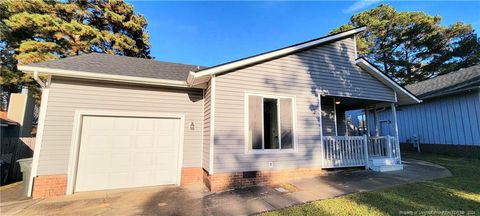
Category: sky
<point>210,33</point>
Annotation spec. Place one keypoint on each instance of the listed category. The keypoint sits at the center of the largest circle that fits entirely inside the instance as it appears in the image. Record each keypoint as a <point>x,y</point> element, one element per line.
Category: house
<point>118,122</point>
<point>8,127</point>
<point>18,121</point>
<point>448,119</point>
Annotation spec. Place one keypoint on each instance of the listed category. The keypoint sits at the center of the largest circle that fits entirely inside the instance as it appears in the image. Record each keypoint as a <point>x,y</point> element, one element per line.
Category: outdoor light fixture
<point>337,102</point>
<point>192,126</point>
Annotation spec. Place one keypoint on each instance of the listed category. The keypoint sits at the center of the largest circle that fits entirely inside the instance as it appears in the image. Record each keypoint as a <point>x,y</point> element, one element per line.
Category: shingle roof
<point>445,82</point>
<point>121,65</point>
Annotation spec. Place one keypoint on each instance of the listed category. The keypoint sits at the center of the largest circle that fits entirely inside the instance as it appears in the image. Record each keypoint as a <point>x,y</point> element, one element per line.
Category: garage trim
<point>76,134</point>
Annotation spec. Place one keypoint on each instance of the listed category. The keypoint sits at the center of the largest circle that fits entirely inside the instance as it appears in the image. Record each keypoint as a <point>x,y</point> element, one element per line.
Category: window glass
<point>270,124</point>
<point>286,123</point>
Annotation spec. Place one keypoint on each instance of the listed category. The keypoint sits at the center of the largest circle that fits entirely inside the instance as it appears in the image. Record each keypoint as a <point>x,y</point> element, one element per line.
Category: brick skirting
<point>452,150</point>
<point>56,185</point>
<point>226,181</point>
<point>49,186</point>
<point>191,175</point>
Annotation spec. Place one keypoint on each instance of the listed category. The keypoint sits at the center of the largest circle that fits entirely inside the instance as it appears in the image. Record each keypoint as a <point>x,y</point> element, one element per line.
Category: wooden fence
<point>12,149</point>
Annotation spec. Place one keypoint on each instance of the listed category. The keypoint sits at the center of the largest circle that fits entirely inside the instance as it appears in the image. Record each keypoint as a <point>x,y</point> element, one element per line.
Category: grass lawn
<point>456,195</point>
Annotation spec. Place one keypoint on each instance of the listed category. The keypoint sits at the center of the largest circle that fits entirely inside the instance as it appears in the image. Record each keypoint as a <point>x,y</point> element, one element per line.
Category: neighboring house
<point>448,119</point>
<point>18,120</point>
<point>117,122</point>
<point>8,127</point>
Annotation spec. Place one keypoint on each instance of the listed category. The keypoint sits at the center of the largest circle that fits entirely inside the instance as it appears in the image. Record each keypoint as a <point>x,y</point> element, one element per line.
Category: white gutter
<point>270,55</point>
<point>106,77</point>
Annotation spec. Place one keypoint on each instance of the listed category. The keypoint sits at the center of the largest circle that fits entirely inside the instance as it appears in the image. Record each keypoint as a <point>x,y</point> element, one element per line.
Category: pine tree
<point>35,31</point>
<point>413,46</point>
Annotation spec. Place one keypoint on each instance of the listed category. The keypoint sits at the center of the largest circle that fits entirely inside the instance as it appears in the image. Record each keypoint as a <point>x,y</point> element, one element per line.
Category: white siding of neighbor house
<point>330,68</point>
<point>452,120</point>
<point>206,128</point>
<point>68,95</point>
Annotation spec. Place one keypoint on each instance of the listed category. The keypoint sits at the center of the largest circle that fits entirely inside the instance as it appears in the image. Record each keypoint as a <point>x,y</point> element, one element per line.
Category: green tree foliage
<point>413,46</point>
<point>35,30</point>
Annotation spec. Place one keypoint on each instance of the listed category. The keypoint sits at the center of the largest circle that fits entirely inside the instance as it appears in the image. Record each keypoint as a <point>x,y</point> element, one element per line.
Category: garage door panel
<point>144,141</point>
<point>121,161</point>
<point>99,123</point>
<point>122,152</point>
<point>126,124</point>
<point>100,142</point>
<point>122,142</point>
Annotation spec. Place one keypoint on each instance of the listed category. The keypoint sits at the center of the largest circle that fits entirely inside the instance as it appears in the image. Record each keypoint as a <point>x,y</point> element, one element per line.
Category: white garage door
<point>123,152</point>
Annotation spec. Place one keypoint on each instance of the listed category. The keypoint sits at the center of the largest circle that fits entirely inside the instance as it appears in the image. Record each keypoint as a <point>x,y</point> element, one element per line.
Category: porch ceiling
<point>347,103</point>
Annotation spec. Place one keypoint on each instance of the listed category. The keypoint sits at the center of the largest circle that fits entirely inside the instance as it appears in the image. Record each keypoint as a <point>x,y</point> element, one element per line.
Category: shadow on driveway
<point>196,200</point>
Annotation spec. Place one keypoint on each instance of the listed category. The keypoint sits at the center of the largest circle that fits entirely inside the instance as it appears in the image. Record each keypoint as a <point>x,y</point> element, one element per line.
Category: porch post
<point>321,128</point>
<point>335,115</point>
<point>365,149</point>
<point>375,119</point>
<point>389,146</point>
<point>366,130</point>
<point>395,131</point>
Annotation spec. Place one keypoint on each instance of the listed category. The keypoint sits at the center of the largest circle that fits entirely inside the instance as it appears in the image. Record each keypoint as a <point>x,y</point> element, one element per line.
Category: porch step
<point>387,168</point>
<point>380,161</point>
<point>384,164</point>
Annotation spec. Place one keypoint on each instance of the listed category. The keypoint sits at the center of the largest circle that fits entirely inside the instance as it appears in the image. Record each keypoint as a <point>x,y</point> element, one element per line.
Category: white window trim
<point>76,135</point>
<point>246,124</point>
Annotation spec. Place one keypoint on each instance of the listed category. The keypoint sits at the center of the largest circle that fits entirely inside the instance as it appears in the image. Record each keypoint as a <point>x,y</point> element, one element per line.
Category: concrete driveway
<point>196,200</point>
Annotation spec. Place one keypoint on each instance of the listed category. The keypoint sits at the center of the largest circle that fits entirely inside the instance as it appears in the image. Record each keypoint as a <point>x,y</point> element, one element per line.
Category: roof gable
<point>403,95</point>
<point>329,70</point>
<point>203,75</point>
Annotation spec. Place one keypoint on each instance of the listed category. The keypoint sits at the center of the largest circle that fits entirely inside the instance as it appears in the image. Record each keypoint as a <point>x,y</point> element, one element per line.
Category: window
<point>270,123</point>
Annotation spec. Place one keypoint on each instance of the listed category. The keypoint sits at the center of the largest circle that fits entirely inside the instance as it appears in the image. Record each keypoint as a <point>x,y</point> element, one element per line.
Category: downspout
<point>192,81</point>
<point>38,80</point>
<point>40,126</point>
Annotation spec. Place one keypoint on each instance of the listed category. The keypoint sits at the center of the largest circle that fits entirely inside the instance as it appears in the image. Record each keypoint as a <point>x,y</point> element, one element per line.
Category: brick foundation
<point>49,186</point>
<point>452,150</point>
<point>191,175</point>
<point>226,181</point>
<point>56,185</point>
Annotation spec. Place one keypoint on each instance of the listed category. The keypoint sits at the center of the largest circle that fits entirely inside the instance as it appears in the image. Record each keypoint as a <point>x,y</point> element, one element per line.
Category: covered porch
<point>353,134</point>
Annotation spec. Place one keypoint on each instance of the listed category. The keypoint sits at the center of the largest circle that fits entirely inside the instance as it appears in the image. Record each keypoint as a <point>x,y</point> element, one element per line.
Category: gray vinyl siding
<point>452,120</point>
<point>341,123</point>
<point>68,95</point>
<point>330,68</point>
<point>206,128</point>
<point>328,117</point>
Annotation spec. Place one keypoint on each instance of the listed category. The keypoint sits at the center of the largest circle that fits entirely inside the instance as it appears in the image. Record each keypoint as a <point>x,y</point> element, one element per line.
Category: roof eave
<point>367,66</point>
<point>270,55</point>
<point>103,77</point>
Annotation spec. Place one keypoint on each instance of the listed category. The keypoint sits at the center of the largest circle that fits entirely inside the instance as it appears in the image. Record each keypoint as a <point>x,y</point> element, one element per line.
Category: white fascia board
<point>362,63</point>
<point>105,77</point>
<point>270,55</point>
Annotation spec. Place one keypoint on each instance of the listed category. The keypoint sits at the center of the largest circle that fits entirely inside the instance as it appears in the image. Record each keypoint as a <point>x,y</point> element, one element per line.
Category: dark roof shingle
<point>445,82</point>
<point>121,65</point>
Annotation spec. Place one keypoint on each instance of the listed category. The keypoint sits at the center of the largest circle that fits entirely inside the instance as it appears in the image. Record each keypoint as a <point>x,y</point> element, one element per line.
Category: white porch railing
<point>344,151</point>
<point>384,146</point>
<point>352,151</point>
